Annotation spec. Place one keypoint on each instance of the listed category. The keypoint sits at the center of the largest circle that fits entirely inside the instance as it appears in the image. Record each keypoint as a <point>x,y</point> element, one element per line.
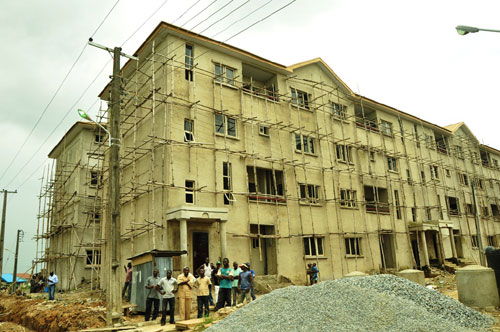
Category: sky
<point>405,54</point>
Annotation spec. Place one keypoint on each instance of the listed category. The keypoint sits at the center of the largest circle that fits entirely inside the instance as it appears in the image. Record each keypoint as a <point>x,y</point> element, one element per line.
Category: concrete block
<point>413,275</point>
<point>477,286</point>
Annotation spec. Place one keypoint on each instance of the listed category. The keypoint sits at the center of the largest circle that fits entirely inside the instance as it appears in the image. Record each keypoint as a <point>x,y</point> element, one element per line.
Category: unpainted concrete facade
<point>227,154</point>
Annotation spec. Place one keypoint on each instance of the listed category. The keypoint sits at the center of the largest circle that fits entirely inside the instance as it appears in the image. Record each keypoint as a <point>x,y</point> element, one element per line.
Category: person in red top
<point>128,281</point>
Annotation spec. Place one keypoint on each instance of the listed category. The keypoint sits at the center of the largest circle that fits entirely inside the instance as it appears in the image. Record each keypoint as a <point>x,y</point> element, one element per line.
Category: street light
<point>85,116</point>
<point>464,29</point>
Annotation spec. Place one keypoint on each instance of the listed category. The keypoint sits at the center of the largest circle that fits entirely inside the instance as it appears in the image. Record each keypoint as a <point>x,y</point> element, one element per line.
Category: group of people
<point>312,271</point>
<point>230,286</point>
<point>38,282</point>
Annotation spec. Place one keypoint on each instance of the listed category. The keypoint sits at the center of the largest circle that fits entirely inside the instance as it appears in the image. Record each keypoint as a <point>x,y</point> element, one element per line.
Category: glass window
<point>231,127</point>
<point>220,124</point>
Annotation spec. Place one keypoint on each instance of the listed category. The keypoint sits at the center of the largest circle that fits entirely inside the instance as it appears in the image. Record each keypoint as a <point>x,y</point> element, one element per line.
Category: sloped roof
<point>323,65</point>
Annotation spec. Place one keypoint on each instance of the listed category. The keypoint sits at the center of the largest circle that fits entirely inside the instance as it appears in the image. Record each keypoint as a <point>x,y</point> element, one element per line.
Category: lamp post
<point>464,29</point>
<point>85,116</point>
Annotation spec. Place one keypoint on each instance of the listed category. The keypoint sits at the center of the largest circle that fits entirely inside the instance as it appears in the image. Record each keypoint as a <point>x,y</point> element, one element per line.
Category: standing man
<point>203,283</point>
<point>215,281</point>
<point>225,276</point>
<point>169,288</point>
<point>53,280</point>
<point>185,282</point>
<point>245,283</point>
<point>252,288</point>
<point>207,266</point>
<point>128,281</point>
<point>154,295</point>
<point>236,277</point>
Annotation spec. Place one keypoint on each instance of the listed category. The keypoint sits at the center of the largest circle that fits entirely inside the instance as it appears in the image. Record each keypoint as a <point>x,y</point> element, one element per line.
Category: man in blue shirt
<point>53,280</point>
<point>252,289</point>
<point>245,282</point>
<point>225,276</point>
<point>314,274</point>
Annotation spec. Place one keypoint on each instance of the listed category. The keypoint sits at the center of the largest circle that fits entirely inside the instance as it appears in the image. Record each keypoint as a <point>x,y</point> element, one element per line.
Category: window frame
<point>386,128</point>
<point>391,161</point>
<point>189,191</point>
<point>189,134</point>
<point>353,247</point>
<point>309,193</point>
<point>312,245</point>
<point>300,98</point>
<point>343,152</point>
<point>339,111</point>
<point>223,128</point>
<point>348,198</point>
<point>95,257</point>
<point>305,144</point>
<point>220,74</point>
<point>188,63</point>
<point>264,131</point>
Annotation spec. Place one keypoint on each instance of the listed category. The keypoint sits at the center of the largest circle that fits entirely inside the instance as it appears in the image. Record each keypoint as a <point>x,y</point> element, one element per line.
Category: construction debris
<point>373,303</point>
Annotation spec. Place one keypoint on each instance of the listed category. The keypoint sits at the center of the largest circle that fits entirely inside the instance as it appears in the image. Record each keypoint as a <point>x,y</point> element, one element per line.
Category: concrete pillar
<point>424,248</point>
<point>222,229</point>
<point>440,248</point>
<point>452,240</point>
<point>183,241</point>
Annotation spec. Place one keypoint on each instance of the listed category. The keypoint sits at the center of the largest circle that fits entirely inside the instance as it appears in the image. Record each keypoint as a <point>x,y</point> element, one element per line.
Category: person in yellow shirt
<point>185,282</point>
<point>203,283</point>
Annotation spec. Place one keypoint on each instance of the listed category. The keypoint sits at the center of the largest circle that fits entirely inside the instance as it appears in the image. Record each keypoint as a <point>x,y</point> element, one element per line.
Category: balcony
<point>378,207</point>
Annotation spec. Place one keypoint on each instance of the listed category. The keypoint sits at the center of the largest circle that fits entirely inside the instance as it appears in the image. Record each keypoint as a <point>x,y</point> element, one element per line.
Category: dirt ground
<point>85,309</point>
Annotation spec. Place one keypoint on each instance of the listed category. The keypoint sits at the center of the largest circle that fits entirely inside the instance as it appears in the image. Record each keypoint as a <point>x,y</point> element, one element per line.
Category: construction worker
<point>245,282</point>
<point>236,276</point>
<point>225,276</point>
<point>154,295</point>
<point>128,281</point>
<point>53,280</point>
<point>203,283</point>
<point>169,288</point>
<point>185,281</point>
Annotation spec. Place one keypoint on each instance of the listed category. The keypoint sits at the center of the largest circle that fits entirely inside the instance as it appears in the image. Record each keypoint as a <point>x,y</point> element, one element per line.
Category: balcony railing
<point>267,93</point>
<point>266,198</point>
<point>367,124</point>
<point>377,207</point>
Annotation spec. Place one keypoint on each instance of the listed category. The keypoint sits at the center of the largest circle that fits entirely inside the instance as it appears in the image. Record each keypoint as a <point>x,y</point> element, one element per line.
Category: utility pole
<point>478,226</point>
<point>20,234</point>
<point>2,232</point>
<point>113,225</point>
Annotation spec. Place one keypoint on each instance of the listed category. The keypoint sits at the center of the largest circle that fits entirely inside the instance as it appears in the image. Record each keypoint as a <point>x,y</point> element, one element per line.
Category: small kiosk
<point>142,268</point>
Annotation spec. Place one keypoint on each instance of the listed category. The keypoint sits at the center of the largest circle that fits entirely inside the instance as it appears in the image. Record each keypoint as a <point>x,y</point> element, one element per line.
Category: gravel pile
<point>374,303</point>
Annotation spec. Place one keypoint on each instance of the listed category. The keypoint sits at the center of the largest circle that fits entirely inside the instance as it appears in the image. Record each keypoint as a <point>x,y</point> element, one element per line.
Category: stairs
<point>266,283</point>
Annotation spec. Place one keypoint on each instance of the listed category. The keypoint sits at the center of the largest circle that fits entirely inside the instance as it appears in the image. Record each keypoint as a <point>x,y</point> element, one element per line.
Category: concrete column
<point>439,241</point>
<point>424,248</point>
<point>183,241</point>
<point>452,240</point>
<point>222,229</point>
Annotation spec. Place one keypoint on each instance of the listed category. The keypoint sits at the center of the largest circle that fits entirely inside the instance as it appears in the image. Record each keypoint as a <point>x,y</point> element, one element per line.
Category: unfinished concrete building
<point>69,224</point>
<point>227,154</point>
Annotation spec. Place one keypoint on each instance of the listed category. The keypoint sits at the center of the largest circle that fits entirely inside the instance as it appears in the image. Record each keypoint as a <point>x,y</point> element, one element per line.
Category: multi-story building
<point>74,214</point>
<point>227,154</point>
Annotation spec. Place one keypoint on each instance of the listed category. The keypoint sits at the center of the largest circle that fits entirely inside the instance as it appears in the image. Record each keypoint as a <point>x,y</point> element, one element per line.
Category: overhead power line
<point>154,12</point>
<point>55,94</point>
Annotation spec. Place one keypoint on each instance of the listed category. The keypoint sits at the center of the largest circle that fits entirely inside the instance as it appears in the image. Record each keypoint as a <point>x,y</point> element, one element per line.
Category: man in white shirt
<point>53,280</point>
<point>169,288</point>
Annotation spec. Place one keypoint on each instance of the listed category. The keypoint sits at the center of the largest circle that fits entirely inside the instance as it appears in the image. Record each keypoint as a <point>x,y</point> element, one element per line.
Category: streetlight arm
<point>464,29</point>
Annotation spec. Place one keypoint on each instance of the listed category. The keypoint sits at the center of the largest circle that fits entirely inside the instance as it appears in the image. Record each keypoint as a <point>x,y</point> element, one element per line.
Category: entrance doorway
<point>200,250</point>
<point>263,250</point>
<point>387,251</point>
<point>414,247</point>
